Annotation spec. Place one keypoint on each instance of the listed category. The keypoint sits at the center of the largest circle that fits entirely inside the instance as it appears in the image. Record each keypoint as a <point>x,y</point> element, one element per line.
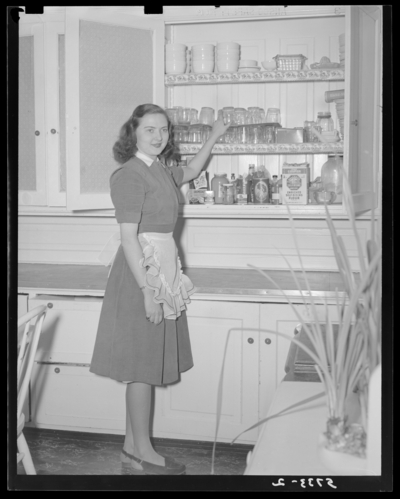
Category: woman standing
<point>143,338</point>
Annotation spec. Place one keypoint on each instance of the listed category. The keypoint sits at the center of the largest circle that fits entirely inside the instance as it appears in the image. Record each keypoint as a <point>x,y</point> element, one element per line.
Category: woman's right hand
<point>154,311</point>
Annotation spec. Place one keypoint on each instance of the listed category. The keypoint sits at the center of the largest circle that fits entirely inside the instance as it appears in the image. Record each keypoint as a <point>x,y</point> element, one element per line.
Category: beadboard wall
<point>223,243</point>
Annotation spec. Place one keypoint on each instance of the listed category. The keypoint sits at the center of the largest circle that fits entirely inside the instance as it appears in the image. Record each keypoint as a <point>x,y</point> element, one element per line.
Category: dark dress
<point>128,347</point>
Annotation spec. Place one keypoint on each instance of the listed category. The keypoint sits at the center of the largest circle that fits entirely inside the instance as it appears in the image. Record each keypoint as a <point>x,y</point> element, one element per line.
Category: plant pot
<point>341,463</point>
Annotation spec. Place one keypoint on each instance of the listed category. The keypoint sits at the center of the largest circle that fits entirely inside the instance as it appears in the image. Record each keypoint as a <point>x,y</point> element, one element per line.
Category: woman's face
<point>152,134</point>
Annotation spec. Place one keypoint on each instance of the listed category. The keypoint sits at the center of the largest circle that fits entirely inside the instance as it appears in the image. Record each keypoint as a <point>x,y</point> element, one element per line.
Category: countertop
<point>245,283</point>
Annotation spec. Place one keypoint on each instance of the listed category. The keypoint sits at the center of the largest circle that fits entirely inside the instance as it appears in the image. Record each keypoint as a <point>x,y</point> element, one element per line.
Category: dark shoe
<point>171,467</point>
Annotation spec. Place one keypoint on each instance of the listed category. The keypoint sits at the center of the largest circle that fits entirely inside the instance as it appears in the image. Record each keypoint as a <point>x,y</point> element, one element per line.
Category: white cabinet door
<point>363,113</point>
<point>188,409</point>
<point>31,116</point>
<point>114,62</point>
<point>274,349</point>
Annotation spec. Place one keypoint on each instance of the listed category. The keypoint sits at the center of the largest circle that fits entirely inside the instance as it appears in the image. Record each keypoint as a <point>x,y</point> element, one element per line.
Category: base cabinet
<point>235,335</point>
<point>188,409</point>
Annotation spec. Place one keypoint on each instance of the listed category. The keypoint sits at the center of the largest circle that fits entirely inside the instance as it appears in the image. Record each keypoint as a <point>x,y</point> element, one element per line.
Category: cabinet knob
<point>268,341</point>
<point>50,305</point>
<point>355,122</point>
<point>57,370</point>
<point>53,130</point>
<point>250,340</point>
<point>37,132</point>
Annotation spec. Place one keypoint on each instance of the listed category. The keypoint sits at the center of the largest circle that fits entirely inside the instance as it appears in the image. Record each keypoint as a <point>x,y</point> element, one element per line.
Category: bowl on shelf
<point>227,67</point>
<point>227,46</point>
<point>202,66</point>
<point>228,53</point>
<point>247,63</point>
<point>269,65</point>
<point>252,69</point>
<point>203,57</point>
<point>176,57</point>
<point>203,49</point>
<point>175,67</point>
<point>175,48</point>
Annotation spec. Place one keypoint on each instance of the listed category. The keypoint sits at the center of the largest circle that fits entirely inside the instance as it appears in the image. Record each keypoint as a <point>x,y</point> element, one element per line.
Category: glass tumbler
<point>180,133</point>
<point>273,115</point>
<point>207,116</point>
<point>194,116</point>
<point>172,115</point>
<point>184,116</point>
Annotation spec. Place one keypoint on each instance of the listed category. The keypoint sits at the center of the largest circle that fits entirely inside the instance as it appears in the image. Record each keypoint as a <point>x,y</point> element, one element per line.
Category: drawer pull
<point>250,340</point>
<point>268,341</point>
<point>57,370</point>
<point>50,305</point>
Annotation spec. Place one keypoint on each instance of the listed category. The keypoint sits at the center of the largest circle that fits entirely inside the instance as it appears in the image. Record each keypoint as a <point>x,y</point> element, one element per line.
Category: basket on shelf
<point>290,62</point>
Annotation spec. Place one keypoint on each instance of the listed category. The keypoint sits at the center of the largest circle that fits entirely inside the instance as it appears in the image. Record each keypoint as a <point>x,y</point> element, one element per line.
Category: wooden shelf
<point>312,75</point>
<point>304,148</point>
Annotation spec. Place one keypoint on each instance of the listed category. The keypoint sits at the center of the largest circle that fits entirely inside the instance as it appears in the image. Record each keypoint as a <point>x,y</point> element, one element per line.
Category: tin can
<point>261,190</point>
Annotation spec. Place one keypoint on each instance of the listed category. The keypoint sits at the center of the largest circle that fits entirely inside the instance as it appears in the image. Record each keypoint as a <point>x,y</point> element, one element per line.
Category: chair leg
<point>27,459</point>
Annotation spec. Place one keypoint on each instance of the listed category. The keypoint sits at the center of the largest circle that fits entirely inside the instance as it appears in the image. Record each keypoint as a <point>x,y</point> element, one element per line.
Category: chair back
<point>27,350</point>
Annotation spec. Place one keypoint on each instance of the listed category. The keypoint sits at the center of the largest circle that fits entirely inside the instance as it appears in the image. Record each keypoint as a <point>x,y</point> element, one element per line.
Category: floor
<point>57,452</point>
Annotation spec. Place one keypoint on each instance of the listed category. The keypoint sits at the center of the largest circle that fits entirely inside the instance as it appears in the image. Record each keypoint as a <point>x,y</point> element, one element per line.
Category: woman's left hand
<point>219,128</point>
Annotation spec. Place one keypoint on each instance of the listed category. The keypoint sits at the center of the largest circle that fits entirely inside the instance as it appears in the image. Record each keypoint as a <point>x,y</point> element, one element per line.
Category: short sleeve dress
<point>128,347</point>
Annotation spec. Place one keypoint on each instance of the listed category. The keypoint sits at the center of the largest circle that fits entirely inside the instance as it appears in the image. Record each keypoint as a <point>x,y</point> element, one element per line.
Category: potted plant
<point>344,367</point>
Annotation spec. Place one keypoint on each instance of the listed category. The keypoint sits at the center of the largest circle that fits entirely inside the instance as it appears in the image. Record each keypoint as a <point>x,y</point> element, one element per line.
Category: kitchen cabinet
<point>65,395</point>
<point>76,91</point>
<point>102,63</point>
<point>298,95</point>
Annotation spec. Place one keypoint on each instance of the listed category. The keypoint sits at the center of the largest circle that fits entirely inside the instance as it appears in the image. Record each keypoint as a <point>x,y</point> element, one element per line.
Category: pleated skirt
<point>128,347</point>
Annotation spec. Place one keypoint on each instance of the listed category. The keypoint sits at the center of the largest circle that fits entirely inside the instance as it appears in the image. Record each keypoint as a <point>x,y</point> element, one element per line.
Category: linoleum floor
<point>57,452</point>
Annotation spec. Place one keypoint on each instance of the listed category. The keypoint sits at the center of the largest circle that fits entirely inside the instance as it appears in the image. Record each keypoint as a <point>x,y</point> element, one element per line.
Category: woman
<point>142,337</point>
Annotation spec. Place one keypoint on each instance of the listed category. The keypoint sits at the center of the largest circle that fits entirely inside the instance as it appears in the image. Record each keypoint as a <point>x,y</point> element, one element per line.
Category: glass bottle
<point>233,182</point>
<point>332,174</point>
<point>274,190</point>
<point>325,121</point>
<point>249,182</point>
<point>216,186</point>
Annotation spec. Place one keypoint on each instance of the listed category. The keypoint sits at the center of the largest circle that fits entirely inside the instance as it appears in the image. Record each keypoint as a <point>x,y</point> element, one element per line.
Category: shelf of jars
<point>302,148</point>
<point>257,77</point>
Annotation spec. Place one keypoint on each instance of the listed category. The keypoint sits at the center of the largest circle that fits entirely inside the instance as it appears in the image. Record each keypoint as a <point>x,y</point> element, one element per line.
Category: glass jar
<point>195,134</point>
<point>217,187</point>
<point>332,174</point>
<point>273,115</point>
<point>325,121</point>
<point>309,135</point>
<point>228,194</point>
<point>181,133</point>
<point>240,115</point>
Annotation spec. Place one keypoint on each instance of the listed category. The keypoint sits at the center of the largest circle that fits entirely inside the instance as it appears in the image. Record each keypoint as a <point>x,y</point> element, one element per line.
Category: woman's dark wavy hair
<point>125,147</point>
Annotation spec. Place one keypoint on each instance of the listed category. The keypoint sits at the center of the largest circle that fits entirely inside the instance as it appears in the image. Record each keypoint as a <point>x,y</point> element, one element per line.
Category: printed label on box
<point>295,185</point>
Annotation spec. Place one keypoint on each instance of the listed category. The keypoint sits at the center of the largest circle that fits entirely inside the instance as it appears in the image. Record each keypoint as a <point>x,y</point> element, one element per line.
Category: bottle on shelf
<point>216,186</point>
<point>274,190</point>
<point>279,185</point>
<point>233,182</point>
<point>249,182</point>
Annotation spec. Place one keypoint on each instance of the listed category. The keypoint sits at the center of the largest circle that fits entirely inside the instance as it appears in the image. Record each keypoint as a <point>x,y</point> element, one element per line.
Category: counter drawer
<point>68,396</point>
<point>70,328</point>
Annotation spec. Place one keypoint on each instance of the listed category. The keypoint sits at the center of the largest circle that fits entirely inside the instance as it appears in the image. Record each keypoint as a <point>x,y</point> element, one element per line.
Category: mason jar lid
<point>324,114</point>
<point>220,174</point>
<point>227,185</point>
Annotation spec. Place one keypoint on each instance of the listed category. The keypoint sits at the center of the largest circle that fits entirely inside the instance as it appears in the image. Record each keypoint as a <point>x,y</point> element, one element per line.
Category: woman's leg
<point>137,437</point>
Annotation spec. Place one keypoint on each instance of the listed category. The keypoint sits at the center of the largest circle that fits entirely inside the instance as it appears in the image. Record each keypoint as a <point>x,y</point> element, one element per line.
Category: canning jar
<point>216,185</point>
<point>195,133</point>
<point>332,174</point>
<point>325,121</point>
<point>309,135</point>
<point>228,194</point>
